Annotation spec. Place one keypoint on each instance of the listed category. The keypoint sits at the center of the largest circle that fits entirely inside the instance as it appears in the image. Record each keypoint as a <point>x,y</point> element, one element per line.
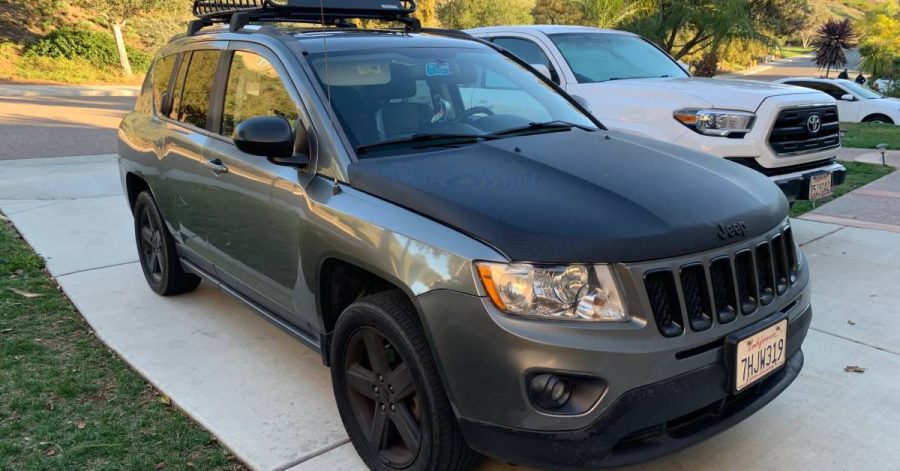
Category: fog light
<point>550,391</point>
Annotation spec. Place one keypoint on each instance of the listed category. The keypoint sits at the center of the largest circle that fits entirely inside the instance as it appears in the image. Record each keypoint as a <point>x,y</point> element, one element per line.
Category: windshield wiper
<point>547,126</point>
<point>636,78</point>
<point>426,140</point>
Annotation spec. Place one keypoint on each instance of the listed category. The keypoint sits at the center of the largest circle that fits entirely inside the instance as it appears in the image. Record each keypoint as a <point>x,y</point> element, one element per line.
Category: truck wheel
<point>388,390</point>
<point>156,251</point>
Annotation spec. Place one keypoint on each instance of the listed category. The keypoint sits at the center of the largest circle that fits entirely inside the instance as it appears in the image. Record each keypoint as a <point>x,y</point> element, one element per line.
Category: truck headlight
<point>723,123</point>
<point>574,292</point>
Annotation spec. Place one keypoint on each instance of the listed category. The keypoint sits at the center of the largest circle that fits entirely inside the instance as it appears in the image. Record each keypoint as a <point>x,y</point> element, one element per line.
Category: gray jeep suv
<point>481,263</point>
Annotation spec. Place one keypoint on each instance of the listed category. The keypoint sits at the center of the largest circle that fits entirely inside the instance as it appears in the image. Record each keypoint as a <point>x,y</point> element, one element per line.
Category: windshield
<point>398,99</point>
<point>865,92</point>
<point>599,57</point>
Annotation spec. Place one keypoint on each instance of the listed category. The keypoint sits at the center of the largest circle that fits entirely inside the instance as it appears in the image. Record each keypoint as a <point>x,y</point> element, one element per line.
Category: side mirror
<point>543,69</point>
<point>848,97</point>
<point>583,102</point>
<point>270,137</point>
<point>685,66</point>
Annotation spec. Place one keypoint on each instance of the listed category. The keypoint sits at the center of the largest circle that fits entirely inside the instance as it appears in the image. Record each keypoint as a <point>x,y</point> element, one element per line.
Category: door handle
<point>216,166</point>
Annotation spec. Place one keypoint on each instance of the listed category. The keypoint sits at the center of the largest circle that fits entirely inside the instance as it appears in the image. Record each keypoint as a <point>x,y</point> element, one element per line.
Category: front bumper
<point>646,422</point>
<point>796,185</point>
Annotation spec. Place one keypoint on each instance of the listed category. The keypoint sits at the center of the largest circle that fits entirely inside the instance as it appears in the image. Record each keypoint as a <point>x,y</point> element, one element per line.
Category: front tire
<point>156,251</point>
<point>388,390</point>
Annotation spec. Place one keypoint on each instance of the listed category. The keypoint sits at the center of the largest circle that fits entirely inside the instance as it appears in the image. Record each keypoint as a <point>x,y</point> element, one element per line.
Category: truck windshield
<point>600,57</point>
<point>414,98</point>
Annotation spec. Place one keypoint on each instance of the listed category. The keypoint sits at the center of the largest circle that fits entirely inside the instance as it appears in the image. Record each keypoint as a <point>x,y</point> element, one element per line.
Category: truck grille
<point>794,133</point>
<point>738,282</point>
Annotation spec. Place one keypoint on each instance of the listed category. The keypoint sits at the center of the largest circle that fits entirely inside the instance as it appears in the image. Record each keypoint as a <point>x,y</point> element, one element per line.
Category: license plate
<point>820,186</point>
<point>760,354</point>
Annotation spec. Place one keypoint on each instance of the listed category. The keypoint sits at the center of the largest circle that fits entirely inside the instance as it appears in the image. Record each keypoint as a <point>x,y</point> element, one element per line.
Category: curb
<point>68,91</point>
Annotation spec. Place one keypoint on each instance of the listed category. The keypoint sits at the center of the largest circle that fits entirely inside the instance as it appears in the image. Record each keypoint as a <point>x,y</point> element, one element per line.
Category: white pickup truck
<point>788,133</point>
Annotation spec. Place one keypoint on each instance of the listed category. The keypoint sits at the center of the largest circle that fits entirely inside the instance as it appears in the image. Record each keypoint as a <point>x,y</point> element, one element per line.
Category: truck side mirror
<point>848,97</point>
<point>583,102</point>
<point>685,66</point>
<point>543,69</point>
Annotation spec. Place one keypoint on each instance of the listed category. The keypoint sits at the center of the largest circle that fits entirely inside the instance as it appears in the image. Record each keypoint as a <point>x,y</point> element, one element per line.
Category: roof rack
<point>239,13</point>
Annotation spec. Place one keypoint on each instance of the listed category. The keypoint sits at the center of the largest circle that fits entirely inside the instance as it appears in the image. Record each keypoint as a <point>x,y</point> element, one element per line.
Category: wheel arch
<point>134,185</point>
<point>873,116</point>
<point>341,282</point>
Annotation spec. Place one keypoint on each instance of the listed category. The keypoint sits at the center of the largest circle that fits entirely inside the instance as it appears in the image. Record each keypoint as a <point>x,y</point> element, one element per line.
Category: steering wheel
<point>474,111</point>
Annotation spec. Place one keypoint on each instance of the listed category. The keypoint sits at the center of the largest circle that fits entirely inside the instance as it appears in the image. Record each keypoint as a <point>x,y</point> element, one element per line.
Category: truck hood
<point>578,196</point>
<point>730,94</point>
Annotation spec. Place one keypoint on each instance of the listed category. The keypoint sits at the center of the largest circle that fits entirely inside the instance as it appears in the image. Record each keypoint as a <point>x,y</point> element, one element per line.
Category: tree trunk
<point>827,70</point>
<point>120,47</point>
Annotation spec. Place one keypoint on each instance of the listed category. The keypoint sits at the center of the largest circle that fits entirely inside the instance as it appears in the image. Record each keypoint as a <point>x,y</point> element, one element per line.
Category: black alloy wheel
<point>157,252</point>
<point>383,397</point>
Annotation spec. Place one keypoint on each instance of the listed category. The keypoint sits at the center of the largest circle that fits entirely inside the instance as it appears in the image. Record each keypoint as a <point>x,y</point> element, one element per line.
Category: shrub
<point>95,47</point>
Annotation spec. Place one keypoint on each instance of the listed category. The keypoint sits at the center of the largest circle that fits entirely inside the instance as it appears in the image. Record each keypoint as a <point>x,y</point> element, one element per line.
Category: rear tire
<point>878,118</point>
<point>388,390</point>
<point>156,251</point>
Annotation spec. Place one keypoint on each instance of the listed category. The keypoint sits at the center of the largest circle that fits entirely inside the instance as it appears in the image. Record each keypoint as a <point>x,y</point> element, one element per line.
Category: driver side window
<point>254,89</point>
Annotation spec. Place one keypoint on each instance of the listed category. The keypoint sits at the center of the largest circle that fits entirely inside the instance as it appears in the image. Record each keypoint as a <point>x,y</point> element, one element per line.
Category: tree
<point>426,12</point>
<point>832,41</point>
<point>556,12</point>
<point>880,40</point>
<point>781,18</point>
<point>462,14</point>
<point>686,27</point>
<point>611,13</point>
<point>116,13</point>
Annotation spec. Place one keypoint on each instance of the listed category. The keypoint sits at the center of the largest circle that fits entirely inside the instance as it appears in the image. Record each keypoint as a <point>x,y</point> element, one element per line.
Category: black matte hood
<point>579,196</point>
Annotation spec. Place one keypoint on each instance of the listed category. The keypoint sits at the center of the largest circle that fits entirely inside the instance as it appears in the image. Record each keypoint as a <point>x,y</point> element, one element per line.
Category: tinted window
<point>254,89</point>
<point>525,50</point>
<point>598,57</point>
<point>828,88</point>
<point>178,89</point>
<point>197,88</point>
<point>162,74</point>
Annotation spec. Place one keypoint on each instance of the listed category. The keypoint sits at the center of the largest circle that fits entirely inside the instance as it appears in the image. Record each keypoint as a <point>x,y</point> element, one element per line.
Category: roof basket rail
<point>238,13</point>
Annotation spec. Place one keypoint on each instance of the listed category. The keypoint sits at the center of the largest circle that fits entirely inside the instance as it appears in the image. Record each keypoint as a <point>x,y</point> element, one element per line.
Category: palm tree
<point>832,41</point>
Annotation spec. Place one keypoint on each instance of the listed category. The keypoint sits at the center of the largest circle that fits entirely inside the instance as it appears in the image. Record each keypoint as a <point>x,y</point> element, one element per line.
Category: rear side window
<point>198,83</point>
<point>254,89</point>
<point>162,73</point>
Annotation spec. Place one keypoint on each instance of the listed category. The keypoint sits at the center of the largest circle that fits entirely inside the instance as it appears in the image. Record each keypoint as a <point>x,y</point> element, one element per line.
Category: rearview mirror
<point>848,97</point>
<point>270,137</point>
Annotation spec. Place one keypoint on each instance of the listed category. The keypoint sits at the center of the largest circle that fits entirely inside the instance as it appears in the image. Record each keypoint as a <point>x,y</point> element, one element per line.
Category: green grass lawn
<point>794,51</point>
<point>858,174</point>
<point>69,403</point>
<point>867,136</point>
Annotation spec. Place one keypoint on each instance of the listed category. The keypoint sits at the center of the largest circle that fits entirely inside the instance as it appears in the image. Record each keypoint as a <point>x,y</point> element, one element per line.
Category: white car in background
<point>788,133</point>
<point>856,103</point>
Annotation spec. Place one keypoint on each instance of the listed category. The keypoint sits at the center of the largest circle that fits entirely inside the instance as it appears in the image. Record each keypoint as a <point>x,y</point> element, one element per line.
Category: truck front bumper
<point>796,185</point>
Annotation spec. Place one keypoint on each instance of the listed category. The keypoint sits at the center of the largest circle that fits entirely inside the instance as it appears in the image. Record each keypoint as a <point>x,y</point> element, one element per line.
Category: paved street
<point>801,66</point>
<point>55,126</point>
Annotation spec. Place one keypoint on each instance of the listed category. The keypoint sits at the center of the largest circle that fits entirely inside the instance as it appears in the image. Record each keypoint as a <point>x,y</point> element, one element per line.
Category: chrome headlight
<point>574,292</point>
<point>721,123</point>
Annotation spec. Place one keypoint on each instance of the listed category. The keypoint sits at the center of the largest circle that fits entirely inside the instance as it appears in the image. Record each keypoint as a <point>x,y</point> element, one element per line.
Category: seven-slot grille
<point>805,129</point>
<point>725,287</point>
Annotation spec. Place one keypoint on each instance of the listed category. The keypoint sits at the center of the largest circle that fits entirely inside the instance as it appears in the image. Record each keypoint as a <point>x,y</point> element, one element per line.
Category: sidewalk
<point>269,399</point>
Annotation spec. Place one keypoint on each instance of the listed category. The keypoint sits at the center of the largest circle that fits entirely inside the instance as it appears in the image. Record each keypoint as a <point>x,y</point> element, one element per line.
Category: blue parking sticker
<point>437,69</point>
